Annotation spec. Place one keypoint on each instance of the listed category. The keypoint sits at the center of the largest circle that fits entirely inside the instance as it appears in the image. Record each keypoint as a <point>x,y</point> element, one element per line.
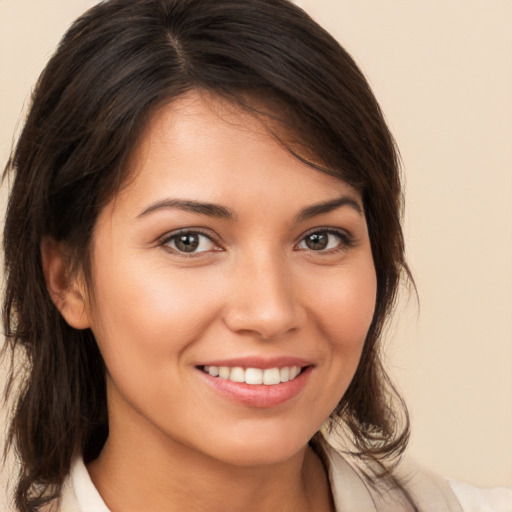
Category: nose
<point>263,300</point>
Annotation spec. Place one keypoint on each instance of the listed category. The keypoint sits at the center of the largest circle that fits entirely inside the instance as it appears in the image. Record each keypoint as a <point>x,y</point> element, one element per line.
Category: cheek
<point>145,315</point>
<point>346,307</point>
<point>145,322</point>
<point>345,311</point>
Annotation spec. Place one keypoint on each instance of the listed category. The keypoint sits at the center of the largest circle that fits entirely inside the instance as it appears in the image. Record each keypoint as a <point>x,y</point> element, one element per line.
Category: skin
<point>255,289</point>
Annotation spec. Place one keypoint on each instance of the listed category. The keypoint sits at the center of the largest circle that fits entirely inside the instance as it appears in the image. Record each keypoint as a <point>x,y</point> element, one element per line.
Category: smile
<point>254,376</point>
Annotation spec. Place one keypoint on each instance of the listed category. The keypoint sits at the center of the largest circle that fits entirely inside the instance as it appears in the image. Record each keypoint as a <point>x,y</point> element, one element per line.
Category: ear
<point>67,290</point>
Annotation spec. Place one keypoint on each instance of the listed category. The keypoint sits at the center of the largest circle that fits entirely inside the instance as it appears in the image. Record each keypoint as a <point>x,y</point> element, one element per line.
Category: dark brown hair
<point>116,64</point>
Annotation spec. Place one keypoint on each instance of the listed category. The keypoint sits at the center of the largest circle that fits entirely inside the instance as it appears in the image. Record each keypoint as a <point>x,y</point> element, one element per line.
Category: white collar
<point>87,497</point>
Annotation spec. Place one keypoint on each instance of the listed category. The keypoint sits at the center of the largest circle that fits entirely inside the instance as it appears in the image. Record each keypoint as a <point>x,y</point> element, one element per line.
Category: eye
<point>189,242</point>
<point>324,240</point>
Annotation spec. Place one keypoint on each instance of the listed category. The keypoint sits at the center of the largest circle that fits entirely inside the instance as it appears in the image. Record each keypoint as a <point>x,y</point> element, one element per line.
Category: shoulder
<point>430,492</point>
<point>425,485</point>
<point>468,497</point>
<point>474,499</point>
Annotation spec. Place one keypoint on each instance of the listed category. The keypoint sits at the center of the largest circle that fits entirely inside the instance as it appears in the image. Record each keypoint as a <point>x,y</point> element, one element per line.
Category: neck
<point>157,473</point>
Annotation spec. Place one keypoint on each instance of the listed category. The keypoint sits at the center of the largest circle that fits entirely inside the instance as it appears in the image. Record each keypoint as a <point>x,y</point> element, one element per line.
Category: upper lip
<point>259,362</point>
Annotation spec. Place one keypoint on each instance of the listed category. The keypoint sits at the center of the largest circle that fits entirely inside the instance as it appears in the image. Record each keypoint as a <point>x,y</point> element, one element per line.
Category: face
<point>232,288</point>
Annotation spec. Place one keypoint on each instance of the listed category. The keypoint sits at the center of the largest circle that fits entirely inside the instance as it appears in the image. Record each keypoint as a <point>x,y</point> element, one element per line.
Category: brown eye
<point>187,243</point>
<point>190,242</point>
<point>322,241</point>
<point>317,241</point>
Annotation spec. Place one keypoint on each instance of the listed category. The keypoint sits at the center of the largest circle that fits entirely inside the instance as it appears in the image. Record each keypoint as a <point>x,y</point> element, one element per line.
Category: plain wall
<point>442,71</point>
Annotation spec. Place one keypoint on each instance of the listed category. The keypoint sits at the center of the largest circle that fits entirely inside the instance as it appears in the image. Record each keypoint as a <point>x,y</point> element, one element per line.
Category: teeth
<point>255,376</point>
<point>237,374</point>
<point>224,372</point>
<point>284,374</point>
<point>271,376</point>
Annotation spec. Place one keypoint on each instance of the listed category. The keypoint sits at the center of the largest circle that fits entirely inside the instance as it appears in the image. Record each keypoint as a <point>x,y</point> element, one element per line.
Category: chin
<point>259,448</point>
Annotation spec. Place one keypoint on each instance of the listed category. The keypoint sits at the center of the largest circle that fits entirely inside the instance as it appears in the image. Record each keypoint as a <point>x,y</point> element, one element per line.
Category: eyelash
<point>345,241</point>
<point>164,242</point>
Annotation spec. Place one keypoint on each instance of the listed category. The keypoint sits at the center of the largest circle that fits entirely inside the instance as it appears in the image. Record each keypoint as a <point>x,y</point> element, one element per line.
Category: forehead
<point>201,146</point>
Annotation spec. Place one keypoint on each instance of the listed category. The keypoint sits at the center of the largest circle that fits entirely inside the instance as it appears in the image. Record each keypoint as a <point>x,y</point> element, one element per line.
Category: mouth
<point>254,376</point>
<point>255,381</point>
<point>257,387</point>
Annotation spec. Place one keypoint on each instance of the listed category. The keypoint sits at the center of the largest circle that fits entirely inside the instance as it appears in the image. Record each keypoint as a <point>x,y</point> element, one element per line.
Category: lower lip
<point>259,395</point>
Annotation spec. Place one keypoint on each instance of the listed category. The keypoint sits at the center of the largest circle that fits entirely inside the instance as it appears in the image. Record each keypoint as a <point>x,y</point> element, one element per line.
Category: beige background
<point>442,71</point>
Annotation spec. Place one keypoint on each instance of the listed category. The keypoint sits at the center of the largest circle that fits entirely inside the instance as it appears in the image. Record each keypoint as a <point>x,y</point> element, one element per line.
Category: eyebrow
<point>327,207</point>
<point>222,212</point>
<point>208,209</point>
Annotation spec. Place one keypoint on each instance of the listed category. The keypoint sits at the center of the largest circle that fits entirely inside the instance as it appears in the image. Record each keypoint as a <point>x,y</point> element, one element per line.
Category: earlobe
<point>66,289</point>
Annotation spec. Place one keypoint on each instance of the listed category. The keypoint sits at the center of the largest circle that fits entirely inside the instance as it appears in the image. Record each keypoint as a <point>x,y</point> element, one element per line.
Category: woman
<point>202,245</point>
